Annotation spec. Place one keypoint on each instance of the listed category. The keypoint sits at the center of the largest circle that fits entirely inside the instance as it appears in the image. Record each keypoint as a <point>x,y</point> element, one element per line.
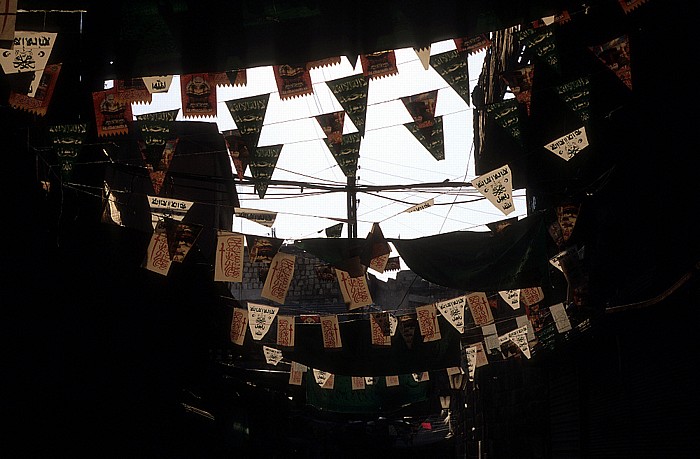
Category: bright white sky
<point>389,154</point>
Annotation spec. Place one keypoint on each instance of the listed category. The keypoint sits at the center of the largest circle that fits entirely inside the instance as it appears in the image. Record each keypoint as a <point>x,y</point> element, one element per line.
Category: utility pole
<point>352,207</point>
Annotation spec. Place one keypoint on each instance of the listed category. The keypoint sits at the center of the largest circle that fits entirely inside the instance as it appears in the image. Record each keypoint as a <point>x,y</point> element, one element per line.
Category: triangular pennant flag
<point>112,116</point>
<point>541,43</point>
<point>8,19</point>
<point>480,308</point>
<point>30,51</point>
<point>481,358</point>
<point>568,146</point>
<point>520,83</point>
<point>423,205</point>
<point>157,255</point>
<point>272,356</point>
<point>167,208</point>
<point>296,373</point>
<point>433,142</point>
<point>473,44</point>
<point>327,62</point>
<point>181,237</point>
<point>511,297</point>
<point>67,141</point>
<point>351,93</point>
<point>332,126</point>
<point>531,295</point>
<point>198,94</point>
<point>323,378</point>
<point>519,338</point>
<point>470,353</point>
<point>330,331</point>
<point>335,230</point>
<point>577,95</point>
<point>357,382</point>
<point>453,311</point>
<point>391,381</point>
<point>133,91</point>
<point>239,319</point>
<point>355,290</point>
<point>264,217</point>
<point>346,153</point>
<point>369,380</point>
<point>38,104</point>
<point>630,5</point>
<point>428,323</point>
<point>262,166</point>
<point>421,107</point>
<point>523,321</point>
<point>375,247</point>
<point>380,329</point>
<point>615,54</point>
<point>285,331</point>
<point>566,217</point>
<point>490,335</point>
<point>379,64</point>
<point>561,319</point>
<point>158,170</point>
<point>507,114</point>
<point>260,318</point>
<point>237,150</point>
<point>407,327</point>
<point>228,266</point>
<point>421,377</point>
<point>238,77</point>
<point>423,56</point>
<point>262,249</point>
<point>164,119</point>
<point>393,264</point>
<point>559,18</point>
<point>249,115</point>
<point>453,67</point>
<point>279,277</point>
<point>158,84</point>
<point>292,80</point>
<point>501,225</point>
<point>393,324</point>
<point>156,129</point>
<point>111,212</point>
<point>497,187</point>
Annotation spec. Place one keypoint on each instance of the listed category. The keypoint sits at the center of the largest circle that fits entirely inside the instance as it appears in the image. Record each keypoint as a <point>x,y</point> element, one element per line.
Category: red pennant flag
<point>238,150</point>
<point>133,91</point>
<point>198,93</point>
<point>629,5</point>
<point>112,116</point>
<point>332,125</point>
<point>379,64</point>
<point>38,104</point>
<point>323,62</point>
<point>474,44</point>
<point>520,83</point>
<point>615,54</point>
<point>292,80</point>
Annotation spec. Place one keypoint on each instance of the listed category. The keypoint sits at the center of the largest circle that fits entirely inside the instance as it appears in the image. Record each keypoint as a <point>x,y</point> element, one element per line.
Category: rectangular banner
<point>279,277</point>
<point>228,266</point>
<point>285,331</point>
<point>427,323</point>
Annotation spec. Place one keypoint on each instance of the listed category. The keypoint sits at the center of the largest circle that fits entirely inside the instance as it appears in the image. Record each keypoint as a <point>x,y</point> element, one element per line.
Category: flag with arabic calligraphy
<point>351,93</point>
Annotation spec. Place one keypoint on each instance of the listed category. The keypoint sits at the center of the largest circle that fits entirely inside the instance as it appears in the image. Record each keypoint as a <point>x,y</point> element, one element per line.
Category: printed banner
<point>379,64</point>
<point>37,104</point>
<point>519,338</point>
<point>380,329</point>
<point>272,356</point>
<point>423,56</point>
<point>237,150</point>
<point>156,130</point>
<point>511,297</point>
<point>327,62</point>
<point>112,116</point>
<point>480,308</point>
<point>427,323</point>
<point>261,249</point>
<point>453,311</point>
<point>346,153</point>
<point>630,5</point>
<point>376,250</point>
<point>520,83</point>
<point>292,80</point>
<point>473,45</point>
<point>158,171</point>
<point>262,166</point>
<point>453,67</point>
<point>357,382</point>
<point>393,264</point>
<point>279,277</point>
<point>351,93</point>
<point>263,217</point>
<point>228,266</point>
<point>392,380</point>
<point>249,114</point>
<point>497,187</point>
<point>157,255</point>
<point>568,146</point>
<point>331,332</point>
<point>481,358</point>
<point>238,325</point>
<point>30,51</point>
<point>434,142</point>
<point>507,114</point>
<point>285,331</point>
<point>541,43</point>
<point>423,205</point>
<point>577,95</point>
<point>296,373</point>
<point>198,93</point>
<point>8,17</point>
<point>421,107</point>
<point>332,126</point>
<point>335,230</point>
<point>181,237</point>
<point>260,317</point>
<point>133,91</point>
<point>354,289</point>
<point>615,54</point>
<point>67,141</point>
<point>561,319</point>
<point>531,295</point>
<point>157,84</point>
<point>323,378</point>
<point>167,208</point>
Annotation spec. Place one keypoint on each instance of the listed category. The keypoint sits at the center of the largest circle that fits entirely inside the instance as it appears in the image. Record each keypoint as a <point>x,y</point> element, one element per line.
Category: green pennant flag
<point>431,138</point>
<point>335,230</point>
<point>262,165</point>
<point>346,153</point>
<point>67,140</point>
<point>452,66</point>
<point>156,130</point>
<point>506,114</point>
<point>351,93</point>
<point>577,95</point>
<point>249,114</point>
<point>540,41</point>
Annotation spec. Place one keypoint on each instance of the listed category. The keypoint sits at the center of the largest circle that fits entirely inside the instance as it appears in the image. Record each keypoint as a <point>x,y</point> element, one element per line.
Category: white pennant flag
<point>228,266</point>
<point>519,338</point>
<point>423,205</point>
<point>260,317</point>
<point>512,297</point>
<point>358,383</point>
<point>272,355</point>
<point>561,319</point>
<point>167,208</point>
<point>30,52</point>
<point>158,256</point>
<point>263,217</point>
<point>322,378</point>
<point>568,146</point>
<point>157,84</point>
<point>471,361</point>
<point>523,321</point>
<point>497,187</point>
<point>453,311</point>
<point>296,373</point>
<point>424,56</point>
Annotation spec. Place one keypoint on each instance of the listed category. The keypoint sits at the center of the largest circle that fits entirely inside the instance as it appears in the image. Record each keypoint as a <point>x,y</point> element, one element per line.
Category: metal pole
<point>352,208</point>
